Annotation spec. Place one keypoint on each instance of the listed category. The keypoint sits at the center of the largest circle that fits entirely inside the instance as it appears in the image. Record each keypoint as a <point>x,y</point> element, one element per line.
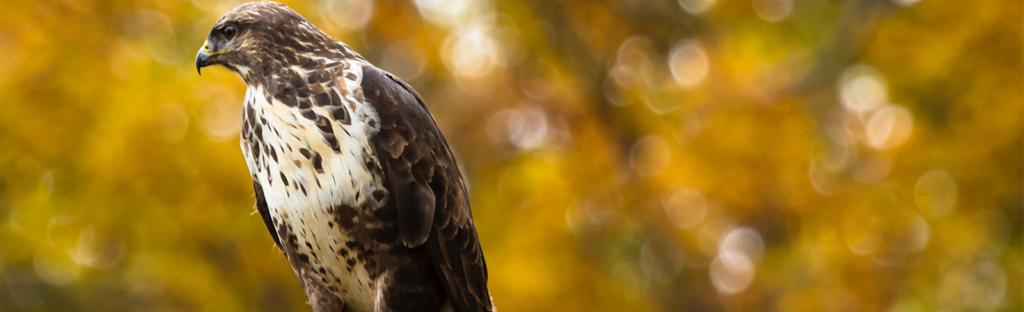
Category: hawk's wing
<point>431,199</point>
<point>261,206</point>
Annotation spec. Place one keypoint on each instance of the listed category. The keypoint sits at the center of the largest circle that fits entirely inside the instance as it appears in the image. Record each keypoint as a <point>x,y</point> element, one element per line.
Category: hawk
<point>352,176</point>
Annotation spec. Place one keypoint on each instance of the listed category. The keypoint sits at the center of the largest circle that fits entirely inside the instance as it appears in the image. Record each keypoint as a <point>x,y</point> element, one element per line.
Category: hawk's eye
<point>229,32</point>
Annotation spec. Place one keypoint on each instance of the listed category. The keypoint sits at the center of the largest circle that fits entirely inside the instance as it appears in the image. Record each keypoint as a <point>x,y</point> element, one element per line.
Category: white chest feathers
<point>309,164</point>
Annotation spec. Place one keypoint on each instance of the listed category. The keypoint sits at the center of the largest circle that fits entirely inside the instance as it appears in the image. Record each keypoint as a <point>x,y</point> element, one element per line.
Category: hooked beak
<point>205,57</point>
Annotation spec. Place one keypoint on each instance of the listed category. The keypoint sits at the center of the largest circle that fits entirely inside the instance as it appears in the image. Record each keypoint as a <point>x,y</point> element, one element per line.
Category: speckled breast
<point>322,184</point>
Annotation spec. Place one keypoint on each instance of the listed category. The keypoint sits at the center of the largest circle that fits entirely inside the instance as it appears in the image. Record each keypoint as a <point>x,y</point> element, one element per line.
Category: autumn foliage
<point>622,155</point>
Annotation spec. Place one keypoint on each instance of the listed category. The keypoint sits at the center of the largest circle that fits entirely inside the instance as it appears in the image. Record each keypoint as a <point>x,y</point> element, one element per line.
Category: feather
<point>414,140</point>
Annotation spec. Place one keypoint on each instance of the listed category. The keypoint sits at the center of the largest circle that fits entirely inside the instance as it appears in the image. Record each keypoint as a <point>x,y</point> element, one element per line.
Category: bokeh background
<point>622,155</point>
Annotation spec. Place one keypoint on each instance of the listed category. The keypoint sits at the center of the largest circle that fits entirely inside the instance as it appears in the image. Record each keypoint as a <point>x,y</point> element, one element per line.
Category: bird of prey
<point>352,176</point>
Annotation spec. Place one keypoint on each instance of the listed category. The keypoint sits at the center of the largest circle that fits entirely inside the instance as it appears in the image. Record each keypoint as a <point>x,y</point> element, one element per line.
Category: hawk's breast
<point>321,182</point>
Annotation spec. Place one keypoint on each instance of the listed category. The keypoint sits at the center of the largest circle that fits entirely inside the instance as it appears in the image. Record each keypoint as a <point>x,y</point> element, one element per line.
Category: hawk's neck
<point>272,68</point>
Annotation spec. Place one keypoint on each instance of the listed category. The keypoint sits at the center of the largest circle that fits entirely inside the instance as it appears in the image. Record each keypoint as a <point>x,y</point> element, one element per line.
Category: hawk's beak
<point>201,61</point>
<point>204,57</point>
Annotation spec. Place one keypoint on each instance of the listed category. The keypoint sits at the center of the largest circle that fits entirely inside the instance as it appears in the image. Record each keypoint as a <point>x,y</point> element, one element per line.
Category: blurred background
<point>622,155</point>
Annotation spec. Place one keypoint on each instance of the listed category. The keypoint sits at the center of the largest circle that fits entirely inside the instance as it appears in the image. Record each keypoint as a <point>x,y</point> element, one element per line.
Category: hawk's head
<point>259,37</point>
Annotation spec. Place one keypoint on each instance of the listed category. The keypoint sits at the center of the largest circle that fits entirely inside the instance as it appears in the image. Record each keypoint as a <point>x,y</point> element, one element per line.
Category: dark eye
<point>229,32</point>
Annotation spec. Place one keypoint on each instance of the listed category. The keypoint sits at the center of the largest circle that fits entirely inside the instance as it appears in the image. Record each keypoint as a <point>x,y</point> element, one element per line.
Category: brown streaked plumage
<point>352,176</point>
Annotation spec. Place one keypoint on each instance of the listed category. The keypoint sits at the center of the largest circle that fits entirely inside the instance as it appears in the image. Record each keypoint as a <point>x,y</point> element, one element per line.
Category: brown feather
<point>412,138</point>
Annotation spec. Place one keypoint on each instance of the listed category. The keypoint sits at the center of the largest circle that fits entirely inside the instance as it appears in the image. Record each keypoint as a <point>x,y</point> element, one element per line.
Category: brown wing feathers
<point>261,206</point>
<point>432,204</point>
